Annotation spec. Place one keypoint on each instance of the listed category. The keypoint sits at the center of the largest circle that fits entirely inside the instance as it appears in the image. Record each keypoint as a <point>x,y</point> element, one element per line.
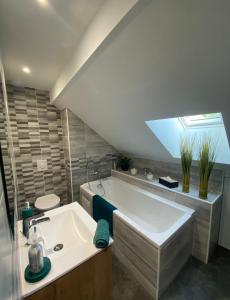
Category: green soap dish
<point>32,278</point>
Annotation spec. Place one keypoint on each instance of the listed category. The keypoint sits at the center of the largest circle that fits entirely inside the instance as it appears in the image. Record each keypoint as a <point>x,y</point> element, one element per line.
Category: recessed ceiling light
<point>43,2</point>
<point>26,70</point>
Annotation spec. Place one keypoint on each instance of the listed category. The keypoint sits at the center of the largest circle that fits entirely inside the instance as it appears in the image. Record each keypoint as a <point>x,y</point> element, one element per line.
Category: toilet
<point>47,202</point>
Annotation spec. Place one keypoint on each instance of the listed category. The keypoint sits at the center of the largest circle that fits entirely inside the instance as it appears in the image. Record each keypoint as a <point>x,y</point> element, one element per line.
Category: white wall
<point>168,132</point>
<point>103,23</point>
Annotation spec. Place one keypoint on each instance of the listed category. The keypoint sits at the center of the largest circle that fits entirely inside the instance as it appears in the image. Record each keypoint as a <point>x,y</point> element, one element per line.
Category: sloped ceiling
<point>165,59</point>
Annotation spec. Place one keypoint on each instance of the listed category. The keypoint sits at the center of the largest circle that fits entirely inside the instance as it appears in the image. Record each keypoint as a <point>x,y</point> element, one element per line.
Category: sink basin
<point>69,225</point>
<point>65,228</point>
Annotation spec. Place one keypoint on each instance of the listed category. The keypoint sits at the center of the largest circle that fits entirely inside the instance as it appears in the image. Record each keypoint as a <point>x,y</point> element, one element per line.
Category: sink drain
<point>58,247</point>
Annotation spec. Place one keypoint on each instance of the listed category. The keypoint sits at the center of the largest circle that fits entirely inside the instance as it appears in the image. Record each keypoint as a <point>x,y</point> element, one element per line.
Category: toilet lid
<point>47,202</point>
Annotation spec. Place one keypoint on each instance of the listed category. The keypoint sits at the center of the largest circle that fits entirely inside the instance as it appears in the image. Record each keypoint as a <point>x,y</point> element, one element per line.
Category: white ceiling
<point>166,59</point>
<point>42,36</point>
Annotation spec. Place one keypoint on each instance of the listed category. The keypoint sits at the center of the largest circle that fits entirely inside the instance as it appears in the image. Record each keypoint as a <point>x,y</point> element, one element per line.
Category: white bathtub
<point>155,217</point>
<point>152,235</point>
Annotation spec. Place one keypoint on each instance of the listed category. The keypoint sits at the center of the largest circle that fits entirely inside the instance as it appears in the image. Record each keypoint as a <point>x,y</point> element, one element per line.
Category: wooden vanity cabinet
<point>92,280</point>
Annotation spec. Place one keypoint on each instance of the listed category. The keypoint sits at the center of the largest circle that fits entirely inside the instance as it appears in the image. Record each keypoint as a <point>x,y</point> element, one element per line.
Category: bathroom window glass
<point>211,119</point>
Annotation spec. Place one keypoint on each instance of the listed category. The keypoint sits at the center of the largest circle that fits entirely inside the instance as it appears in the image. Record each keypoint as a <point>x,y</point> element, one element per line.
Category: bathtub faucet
<point>90,170</point>
<point>95,172</point>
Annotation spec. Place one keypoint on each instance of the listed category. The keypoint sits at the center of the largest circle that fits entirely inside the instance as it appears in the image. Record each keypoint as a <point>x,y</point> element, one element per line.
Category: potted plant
<point>124,163</point>
<point>186,152</point>
<point>207,154</point>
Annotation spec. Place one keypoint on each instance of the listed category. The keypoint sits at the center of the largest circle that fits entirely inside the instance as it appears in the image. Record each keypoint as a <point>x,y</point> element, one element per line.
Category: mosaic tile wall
<point>37,134</point>
<point>87,150</point>
<point>5,152</point>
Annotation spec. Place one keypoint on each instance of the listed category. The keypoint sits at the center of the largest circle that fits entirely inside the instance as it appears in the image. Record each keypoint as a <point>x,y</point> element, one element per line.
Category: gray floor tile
<point>196,281</point>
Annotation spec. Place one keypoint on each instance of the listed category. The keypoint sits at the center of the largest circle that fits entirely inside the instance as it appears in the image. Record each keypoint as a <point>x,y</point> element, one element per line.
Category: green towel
<point>102,209</point>
<point>101,237</point>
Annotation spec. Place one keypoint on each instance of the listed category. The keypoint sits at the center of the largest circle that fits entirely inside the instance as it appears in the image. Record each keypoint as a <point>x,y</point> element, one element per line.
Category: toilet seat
<point>47,202</point>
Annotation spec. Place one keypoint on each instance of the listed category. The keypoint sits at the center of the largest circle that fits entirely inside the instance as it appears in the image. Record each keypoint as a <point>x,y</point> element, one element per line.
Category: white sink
<point>65,228</point>
<point>69,225</point>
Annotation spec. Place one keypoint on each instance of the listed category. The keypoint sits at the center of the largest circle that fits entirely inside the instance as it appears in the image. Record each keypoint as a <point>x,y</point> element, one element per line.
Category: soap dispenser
<point>27,212</point>
<point>39,266</point>
<point>36,259</point>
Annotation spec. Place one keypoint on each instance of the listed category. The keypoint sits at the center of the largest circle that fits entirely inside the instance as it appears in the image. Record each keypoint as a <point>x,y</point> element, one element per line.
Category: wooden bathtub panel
<point>87,204</point>
<point>202,225</point>
<point>146,276</point>
<point>215,225</point>
<point>200,240</point>
<point>146,251</point>
<point>174,255</point>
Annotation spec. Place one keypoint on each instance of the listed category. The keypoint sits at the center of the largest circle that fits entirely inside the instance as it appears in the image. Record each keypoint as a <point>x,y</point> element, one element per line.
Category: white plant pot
<point>133,171</point>
<point>149,176</point>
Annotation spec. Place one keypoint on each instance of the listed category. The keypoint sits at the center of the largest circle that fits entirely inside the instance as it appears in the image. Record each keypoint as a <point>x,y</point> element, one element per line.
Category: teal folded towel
<point>103,210</point>
<point>101,237</point>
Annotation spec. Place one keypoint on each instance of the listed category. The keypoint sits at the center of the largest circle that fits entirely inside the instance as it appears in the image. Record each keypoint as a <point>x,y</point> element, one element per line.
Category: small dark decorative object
<point>124,163</point>
<point>170,183</point>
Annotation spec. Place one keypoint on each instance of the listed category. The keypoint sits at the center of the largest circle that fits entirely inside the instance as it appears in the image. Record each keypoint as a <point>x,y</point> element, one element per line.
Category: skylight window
<point>212,119</point>
<point>169,132</point>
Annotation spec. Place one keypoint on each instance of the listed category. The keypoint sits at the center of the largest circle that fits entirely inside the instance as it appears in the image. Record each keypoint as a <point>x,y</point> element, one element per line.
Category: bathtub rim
<point>166,201</point>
